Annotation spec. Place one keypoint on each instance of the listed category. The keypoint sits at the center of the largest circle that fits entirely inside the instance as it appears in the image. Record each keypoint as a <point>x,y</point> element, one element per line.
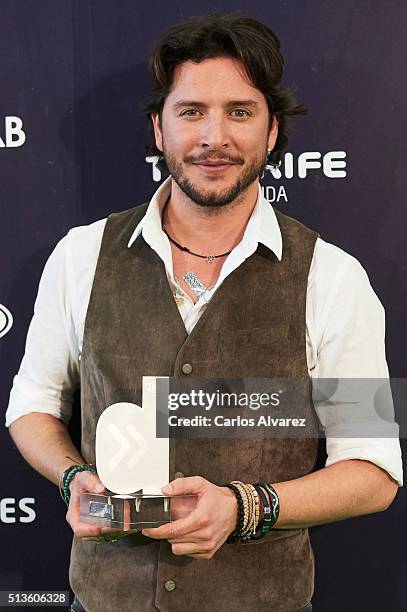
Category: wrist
<point>62,476</point>
<point>67,477</point>
<point>232,509</point>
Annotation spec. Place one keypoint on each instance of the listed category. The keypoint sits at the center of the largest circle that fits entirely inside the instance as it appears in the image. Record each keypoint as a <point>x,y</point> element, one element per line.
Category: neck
<point>219,228</point>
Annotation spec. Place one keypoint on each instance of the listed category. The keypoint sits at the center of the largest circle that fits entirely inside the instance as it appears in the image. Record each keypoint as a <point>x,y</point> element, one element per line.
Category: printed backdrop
<point>72,143</point>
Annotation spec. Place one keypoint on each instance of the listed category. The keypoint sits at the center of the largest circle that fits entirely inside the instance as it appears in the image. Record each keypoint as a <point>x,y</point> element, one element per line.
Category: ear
<point>273,133</point>
<point>157,131</point>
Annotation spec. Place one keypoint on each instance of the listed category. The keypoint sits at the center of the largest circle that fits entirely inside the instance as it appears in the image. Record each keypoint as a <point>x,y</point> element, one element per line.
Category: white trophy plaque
<point>133,464</point>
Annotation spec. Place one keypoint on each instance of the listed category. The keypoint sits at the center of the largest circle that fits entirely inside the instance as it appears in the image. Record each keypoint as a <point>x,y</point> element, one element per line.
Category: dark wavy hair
<point>243,38</point>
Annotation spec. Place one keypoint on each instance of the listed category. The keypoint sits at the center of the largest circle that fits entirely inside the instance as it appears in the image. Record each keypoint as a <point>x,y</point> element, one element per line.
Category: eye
<point>240,113</point>
<point>190,112</point>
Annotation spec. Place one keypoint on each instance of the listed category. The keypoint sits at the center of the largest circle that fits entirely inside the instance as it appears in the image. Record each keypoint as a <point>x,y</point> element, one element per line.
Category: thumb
<point>181,486</point>
<point>90,482</point>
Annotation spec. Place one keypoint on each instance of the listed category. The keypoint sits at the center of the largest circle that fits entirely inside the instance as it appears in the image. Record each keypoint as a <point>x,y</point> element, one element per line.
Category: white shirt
<point>344,322</point>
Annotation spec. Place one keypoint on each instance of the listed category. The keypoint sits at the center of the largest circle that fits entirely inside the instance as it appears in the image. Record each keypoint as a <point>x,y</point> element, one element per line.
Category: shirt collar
<point>262,226</point>
<point>151,222</point>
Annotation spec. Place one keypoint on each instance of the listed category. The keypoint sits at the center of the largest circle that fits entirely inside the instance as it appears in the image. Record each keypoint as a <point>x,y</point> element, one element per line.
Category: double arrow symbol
<point>124,444</point>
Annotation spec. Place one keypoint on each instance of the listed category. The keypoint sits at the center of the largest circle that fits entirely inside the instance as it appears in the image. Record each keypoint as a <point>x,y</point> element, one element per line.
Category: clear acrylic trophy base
<point>133,512</point>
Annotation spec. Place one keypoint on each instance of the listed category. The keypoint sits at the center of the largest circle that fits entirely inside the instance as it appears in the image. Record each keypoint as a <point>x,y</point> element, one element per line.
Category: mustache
<point>234,159</point>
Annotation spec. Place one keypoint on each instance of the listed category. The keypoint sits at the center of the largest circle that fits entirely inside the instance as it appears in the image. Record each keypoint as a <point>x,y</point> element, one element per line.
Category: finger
<point>176,529</point>
<point>189,549</point>
<point>192,536</point>
<point>83,529</point>
<point>82,482</point>
<point>182,486</point>
<point>87,482</point>
<point>126,516</point>
<point>182,505</point>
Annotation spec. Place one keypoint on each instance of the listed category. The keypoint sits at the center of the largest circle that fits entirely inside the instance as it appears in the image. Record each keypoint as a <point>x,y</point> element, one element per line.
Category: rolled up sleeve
<point>347,324</point>
<point>49,373</point>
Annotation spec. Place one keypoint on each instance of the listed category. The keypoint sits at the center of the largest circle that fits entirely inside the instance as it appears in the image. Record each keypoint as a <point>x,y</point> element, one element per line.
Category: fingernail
<point>167,488</point>
<point>99,488</point>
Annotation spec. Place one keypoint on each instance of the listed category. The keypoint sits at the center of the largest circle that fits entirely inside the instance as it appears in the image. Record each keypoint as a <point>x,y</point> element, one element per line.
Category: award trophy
<point>133,464</point>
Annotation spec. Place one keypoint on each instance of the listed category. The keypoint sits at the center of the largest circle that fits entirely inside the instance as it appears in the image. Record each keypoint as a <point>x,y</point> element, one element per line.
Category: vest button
<point>169,585</point>
<point>187,368</point>
<point>178,475</point>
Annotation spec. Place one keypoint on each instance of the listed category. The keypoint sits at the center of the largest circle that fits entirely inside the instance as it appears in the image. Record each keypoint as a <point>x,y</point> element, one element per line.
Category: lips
<point>214,162</point>
<point>214,166</point>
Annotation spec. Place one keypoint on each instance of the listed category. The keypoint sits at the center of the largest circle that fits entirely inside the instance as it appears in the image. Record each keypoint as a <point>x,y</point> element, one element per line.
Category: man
<point>259,295</point>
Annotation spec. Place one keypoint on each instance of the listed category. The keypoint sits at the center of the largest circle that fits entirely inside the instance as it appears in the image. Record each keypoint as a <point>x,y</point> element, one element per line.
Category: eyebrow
<point>195,103</point>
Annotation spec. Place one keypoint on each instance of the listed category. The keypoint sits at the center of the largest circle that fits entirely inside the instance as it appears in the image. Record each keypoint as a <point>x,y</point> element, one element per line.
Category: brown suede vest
<point>254,326</point>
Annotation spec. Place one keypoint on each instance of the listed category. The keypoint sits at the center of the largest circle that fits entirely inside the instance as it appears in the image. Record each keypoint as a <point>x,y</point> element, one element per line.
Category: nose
<point>214,134</point>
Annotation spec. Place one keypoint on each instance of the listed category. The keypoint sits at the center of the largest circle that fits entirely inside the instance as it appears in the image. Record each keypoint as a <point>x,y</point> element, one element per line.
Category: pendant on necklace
<point>194,283</point>
<point>210,258</point>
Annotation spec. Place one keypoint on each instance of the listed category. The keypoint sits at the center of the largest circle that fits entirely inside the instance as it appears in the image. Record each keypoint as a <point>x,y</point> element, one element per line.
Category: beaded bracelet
<point>253,517</point>
<point>234,536</point>
<point>256,509</point>
<point>248,507</point>
<point>62,478</point>
<point>68,479</point>
<point>275,502</point>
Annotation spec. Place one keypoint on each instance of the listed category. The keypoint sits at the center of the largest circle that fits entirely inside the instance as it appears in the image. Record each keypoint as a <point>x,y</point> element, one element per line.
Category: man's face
<point>214,131</point>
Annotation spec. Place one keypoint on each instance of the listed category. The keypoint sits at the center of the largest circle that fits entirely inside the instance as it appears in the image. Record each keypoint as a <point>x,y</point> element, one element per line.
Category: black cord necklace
<point>209,258</point>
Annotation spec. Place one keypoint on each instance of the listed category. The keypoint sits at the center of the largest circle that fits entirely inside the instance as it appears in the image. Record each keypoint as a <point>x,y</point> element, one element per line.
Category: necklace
<point>209,258</point>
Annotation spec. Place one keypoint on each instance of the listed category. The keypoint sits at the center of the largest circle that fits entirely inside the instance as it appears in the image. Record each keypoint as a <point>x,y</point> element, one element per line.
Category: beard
<point>209,198</point>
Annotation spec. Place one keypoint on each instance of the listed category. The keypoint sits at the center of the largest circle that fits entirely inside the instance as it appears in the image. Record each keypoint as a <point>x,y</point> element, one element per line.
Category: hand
<point>206,528</point>
<point>85,482</point>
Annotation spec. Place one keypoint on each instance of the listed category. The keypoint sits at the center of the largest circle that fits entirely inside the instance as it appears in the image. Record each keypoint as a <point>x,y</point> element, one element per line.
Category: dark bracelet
<point>69,476</point>
<point>275,502</point>
<point>62,478</point>
<point>264,527</point>
<point>234,536</point>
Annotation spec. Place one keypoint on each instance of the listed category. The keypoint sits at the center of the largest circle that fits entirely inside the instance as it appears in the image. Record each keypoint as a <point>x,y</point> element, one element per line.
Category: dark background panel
<point>75,72</point>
